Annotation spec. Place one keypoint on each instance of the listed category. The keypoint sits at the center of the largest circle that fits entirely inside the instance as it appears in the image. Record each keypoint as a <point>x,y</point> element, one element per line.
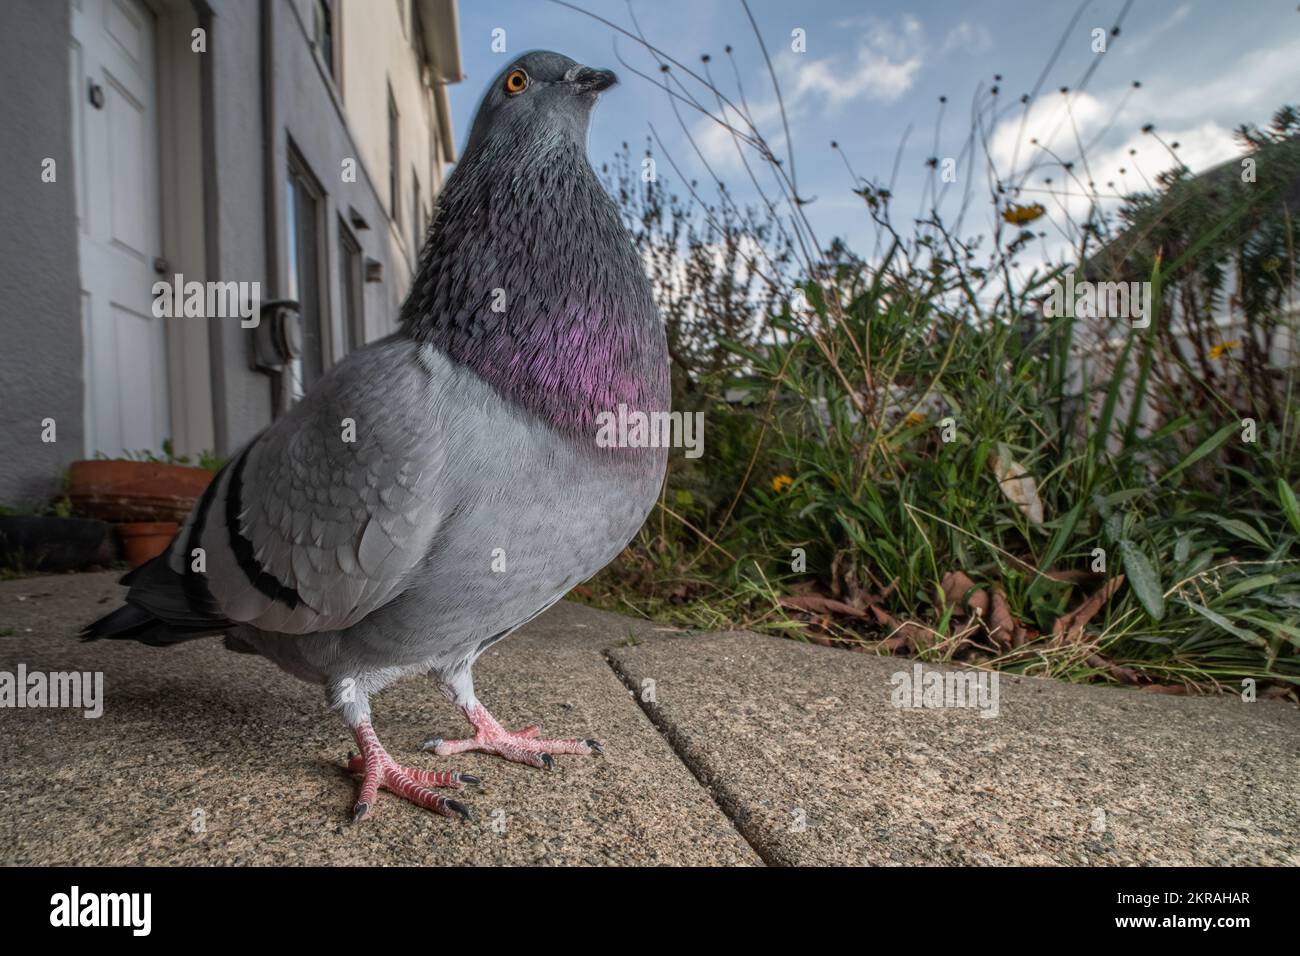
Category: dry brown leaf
<point>816,604</point>
<point>906,632</point>
<point>1001,625</point>
<point>920,637</point>
<point>1117,671</point>
<point>1276,691</point>
<point>1069,577</point>
<point>956,585</point>
<point>821,640</point>
<point>1069,626</point>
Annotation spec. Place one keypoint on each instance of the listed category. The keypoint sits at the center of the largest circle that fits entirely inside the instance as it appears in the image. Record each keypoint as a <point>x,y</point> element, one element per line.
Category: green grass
<point>1202,524</point>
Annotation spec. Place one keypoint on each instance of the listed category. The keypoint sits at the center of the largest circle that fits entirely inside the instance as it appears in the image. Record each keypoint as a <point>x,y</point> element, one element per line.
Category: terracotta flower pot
<point>144,540</point>
<point>129,491</point>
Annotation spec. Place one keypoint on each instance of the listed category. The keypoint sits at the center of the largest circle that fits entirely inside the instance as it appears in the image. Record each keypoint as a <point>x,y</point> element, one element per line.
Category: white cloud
<point>1248,88</point>
<point>1199,117</point>
<point>973,38</point>
<point>1049,121</point>
<point>1125,161</point>
<point>1131,47</point>
<point>882,68</point>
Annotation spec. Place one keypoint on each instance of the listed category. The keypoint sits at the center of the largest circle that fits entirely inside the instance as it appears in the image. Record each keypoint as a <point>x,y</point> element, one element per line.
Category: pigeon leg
<point>522,746</point>
<point>378,770</point>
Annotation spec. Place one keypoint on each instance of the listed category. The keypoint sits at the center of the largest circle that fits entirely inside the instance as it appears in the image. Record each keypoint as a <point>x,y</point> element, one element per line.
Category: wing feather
<point>309,531</point>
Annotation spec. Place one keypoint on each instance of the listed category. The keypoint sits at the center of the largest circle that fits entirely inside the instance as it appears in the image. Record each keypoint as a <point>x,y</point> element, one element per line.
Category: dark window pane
<point>394,158</point>
<point>303,229</point>
<point>325,32</point>
<point>417,223</point>
<point>350,286</point>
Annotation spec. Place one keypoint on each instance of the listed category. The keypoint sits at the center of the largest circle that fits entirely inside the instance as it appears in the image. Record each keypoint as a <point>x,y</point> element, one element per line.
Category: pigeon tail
<point>159,611</point>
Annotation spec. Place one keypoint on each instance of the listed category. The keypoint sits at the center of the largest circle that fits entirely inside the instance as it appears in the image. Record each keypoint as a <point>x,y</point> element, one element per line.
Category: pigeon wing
<point>320,519</point>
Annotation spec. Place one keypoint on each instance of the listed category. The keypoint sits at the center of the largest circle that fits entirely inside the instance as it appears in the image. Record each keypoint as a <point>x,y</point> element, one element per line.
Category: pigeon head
<point>528,275</point>
<point>539,96</point>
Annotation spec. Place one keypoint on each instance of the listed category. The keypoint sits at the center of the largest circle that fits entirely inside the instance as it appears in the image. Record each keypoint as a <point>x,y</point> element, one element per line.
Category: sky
<point>871,73</point>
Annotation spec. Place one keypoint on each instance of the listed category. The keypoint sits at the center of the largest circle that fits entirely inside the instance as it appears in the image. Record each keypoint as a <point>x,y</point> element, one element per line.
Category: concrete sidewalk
<point>720,749</point>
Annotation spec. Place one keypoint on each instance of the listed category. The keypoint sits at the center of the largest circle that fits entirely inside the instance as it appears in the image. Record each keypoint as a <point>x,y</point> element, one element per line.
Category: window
<point>323,35</point>
<point>394,160</point>
<point>350,288</point>
<point>303,225</point>
<point>417,216</point>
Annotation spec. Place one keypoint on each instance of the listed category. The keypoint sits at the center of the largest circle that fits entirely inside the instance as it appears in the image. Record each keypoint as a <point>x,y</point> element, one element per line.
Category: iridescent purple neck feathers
<point>529,278</point>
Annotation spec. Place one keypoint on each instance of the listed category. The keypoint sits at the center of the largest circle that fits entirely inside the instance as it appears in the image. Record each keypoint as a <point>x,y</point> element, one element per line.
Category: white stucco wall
<point>379,53</point>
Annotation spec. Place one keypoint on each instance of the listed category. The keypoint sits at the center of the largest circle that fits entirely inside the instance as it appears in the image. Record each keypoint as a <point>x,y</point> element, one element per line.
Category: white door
<point>115,139</point>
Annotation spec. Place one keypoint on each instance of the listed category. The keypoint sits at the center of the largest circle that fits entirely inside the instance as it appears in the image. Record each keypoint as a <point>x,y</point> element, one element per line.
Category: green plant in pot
<point>145,495</point>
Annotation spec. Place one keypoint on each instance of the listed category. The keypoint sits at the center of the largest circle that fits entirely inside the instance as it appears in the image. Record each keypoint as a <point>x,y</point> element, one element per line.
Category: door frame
<point>184,158</point>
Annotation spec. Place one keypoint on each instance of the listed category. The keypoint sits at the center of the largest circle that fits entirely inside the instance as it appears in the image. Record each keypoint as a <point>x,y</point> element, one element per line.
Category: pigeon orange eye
<point>516,82</point>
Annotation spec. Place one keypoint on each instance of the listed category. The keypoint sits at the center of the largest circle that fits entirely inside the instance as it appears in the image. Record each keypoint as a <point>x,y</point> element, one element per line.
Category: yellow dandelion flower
<point>1221,349</point>
<point>781,482</point>
<point>1019,215</point>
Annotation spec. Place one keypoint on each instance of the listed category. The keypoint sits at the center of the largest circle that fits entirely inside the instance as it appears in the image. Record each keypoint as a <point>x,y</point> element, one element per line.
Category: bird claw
<point>379,770</point>
<point>525,745</point>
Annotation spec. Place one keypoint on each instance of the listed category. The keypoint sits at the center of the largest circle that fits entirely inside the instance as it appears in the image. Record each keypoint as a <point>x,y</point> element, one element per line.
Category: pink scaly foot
<point>377,770</point>
<point>521,746</point>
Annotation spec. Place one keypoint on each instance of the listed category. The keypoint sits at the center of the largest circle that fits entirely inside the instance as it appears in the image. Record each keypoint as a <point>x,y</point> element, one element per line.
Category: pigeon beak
<point>588,80</point>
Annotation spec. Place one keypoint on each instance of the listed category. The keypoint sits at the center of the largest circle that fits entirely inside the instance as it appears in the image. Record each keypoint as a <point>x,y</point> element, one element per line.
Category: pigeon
<point>439,488</point>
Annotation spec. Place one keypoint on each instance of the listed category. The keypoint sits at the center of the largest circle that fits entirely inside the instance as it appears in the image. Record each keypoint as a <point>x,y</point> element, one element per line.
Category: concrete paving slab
<point>804,749</point>
<point>194,733</point>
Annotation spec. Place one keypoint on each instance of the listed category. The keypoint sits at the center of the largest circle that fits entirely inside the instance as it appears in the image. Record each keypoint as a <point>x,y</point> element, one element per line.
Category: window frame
<point>352,278</point>
<point>298,173</point>
<point>330,52</point>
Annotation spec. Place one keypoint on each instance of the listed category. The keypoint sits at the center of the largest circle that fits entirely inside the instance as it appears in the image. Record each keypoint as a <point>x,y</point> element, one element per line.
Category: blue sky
<point>871,69</point>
